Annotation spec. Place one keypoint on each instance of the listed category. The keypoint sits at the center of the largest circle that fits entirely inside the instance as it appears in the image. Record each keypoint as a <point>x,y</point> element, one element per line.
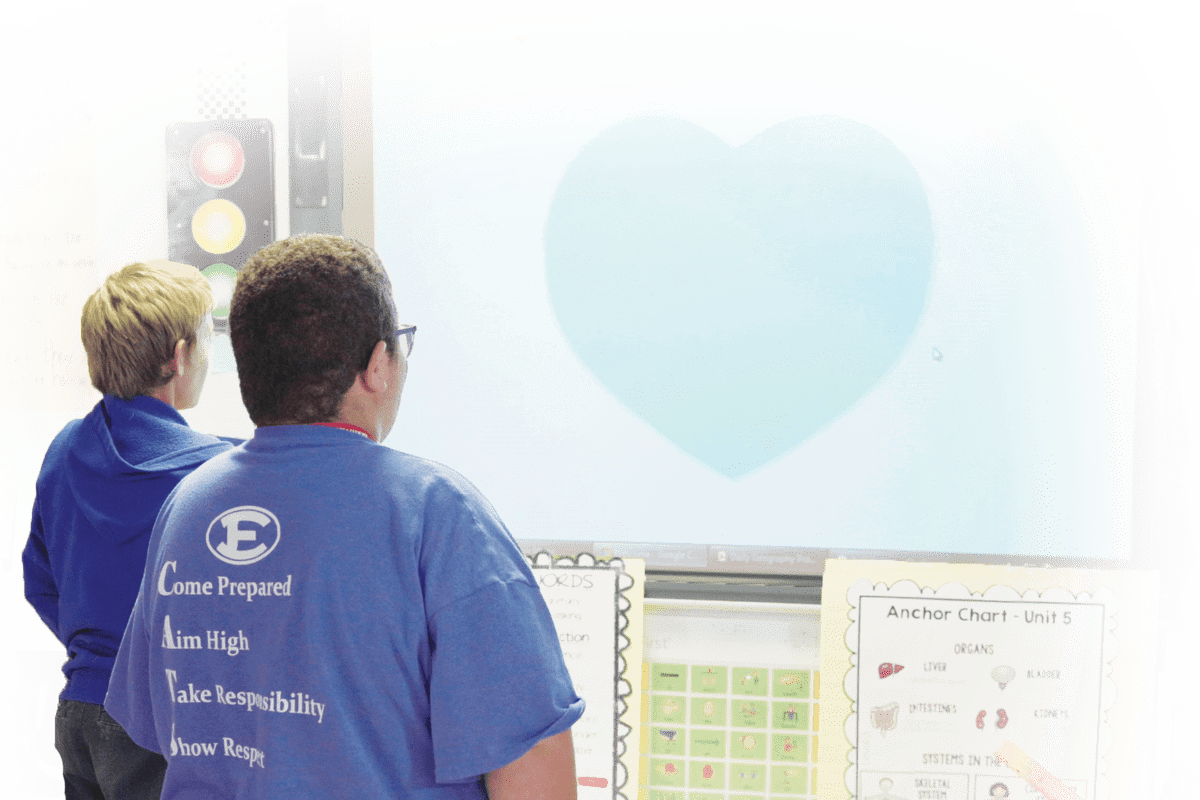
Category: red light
<point>218,159</point>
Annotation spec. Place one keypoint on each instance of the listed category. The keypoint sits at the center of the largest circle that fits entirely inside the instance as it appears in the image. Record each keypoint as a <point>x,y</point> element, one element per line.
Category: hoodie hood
<point>120,476</point>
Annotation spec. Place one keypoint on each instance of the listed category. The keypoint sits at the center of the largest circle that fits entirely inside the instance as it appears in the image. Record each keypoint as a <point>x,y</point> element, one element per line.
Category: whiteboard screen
<point>819,286</point>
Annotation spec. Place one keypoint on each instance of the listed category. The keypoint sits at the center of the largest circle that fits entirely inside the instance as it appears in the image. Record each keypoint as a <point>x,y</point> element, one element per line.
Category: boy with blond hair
<point>146,332</point>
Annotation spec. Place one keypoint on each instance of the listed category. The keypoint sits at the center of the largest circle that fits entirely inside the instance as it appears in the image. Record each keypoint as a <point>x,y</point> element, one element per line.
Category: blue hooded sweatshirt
<point>100,488</point>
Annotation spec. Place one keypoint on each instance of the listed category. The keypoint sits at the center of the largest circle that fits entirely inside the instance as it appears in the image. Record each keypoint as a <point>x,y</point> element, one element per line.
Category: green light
<point>222,278</point>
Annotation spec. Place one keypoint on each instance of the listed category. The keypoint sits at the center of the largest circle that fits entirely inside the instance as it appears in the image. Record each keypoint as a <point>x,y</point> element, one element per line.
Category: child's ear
<point>375,376</point>
<point>179,362</point>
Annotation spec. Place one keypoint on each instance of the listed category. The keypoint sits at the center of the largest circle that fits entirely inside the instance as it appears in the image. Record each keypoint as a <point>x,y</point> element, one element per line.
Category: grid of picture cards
<point>729,730</point>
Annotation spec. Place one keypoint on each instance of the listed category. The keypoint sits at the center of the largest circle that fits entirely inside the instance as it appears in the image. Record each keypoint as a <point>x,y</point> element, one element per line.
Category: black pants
<point>100,761</point>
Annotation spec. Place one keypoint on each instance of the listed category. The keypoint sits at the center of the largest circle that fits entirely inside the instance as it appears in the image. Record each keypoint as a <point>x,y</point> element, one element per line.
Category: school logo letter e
<point>243,535</point>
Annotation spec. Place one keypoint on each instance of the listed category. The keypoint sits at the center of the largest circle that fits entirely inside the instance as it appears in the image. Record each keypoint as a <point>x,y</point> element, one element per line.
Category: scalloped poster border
<point>956,591</point>
<point>622,688</point>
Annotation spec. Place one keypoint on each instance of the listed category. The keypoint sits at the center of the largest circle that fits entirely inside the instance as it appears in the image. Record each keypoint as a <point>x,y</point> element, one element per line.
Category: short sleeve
<point>498,683</point>
<point>128,700</point>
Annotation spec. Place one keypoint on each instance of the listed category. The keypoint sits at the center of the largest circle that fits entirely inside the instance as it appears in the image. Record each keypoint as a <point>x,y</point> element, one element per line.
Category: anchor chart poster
<point>941,671</point>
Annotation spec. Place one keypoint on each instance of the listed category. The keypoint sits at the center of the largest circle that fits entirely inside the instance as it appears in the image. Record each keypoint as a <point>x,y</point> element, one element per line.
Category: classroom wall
<point>83,193</point>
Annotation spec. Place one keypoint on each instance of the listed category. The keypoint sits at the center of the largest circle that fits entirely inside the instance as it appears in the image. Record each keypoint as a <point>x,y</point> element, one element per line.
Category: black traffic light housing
<point>220,198</point>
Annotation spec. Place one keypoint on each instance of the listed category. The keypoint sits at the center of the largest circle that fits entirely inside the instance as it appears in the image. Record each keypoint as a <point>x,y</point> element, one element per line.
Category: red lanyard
<point>346,426</point>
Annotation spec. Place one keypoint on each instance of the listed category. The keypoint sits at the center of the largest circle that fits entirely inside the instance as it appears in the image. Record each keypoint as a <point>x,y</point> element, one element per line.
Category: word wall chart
<point>596,607</point>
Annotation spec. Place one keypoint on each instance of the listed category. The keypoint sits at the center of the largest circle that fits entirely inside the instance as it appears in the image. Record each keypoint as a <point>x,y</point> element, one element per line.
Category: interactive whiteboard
<point>824,291</point>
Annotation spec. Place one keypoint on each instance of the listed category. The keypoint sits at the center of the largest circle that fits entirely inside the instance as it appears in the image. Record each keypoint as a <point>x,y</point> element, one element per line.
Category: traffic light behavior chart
<point>220,199</point>
<point>941,674</point>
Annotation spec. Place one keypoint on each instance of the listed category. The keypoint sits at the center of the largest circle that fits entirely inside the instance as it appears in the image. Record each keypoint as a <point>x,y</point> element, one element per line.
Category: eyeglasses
<point>409,332</point>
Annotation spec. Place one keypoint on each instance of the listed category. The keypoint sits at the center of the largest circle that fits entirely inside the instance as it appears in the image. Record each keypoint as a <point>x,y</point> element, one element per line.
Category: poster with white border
<point>596,607</point>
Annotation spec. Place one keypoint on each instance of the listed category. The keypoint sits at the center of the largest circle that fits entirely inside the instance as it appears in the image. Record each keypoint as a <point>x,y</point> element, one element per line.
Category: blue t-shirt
<point>322,616</point>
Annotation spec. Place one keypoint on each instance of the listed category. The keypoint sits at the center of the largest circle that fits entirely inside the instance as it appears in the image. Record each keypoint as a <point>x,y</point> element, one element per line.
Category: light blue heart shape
<point>739,299</point>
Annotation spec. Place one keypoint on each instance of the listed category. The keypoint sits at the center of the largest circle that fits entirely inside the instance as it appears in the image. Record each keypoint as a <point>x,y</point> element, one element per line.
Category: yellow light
<point>218,226</point>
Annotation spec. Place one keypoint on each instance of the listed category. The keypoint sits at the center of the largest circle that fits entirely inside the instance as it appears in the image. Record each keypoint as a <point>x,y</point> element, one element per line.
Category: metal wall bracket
<point>314,122</point>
